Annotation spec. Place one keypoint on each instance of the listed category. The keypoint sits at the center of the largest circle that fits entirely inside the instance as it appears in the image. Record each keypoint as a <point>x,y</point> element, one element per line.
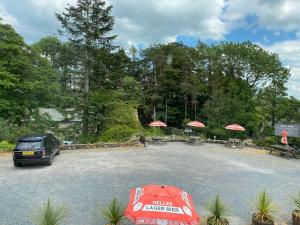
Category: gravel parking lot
<point>85,180</point>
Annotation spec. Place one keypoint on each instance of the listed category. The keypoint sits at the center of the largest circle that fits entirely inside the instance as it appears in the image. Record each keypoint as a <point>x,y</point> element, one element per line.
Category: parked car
<point>36,148</point>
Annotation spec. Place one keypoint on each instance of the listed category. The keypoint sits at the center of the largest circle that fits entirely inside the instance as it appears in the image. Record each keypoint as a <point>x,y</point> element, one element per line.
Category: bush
<point>50,214</point>
<point>5,146</point>
<point>154,131</point>
<point>118,133</point>
<point>218,212</point>
<point>11,132</point>
<point>264,207</point>
<point>220,133</point>
<point>113,213</point>
<point>266,142</point>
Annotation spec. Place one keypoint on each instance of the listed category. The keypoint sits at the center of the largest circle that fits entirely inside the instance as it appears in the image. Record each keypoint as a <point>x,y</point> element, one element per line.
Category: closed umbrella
<point>284,137</point>
<point>161,205</point>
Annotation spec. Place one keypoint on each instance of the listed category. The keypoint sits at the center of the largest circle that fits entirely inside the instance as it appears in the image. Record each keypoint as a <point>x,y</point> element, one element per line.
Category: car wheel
<point>17,164</point>
<point>49,163</point>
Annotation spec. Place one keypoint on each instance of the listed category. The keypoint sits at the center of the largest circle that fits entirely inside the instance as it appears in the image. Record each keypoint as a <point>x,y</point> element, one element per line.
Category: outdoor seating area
<point>234,143</point>
<point>158,140</point>
<point>195,140</point>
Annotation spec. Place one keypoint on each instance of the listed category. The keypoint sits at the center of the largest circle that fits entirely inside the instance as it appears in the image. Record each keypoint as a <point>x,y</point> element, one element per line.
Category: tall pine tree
<point>88,25</point>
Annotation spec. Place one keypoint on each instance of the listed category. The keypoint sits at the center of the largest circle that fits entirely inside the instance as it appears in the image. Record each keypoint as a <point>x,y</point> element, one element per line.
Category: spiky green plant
<point>264,207</point>
<point>113,213</point>
<point>218,212</point>
<point>49,214</point>
<point>296,200</point>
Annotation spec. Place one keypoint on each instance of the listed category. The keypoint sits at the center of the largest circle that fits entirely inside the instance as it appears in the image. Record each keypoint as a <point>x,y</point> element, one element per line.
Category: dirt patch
<point>5,154</point>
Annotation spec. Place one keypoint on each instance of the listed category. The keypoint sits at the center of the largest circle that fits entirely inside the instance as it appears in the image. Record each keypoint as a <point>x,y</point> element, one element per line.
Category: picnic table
<point>194,140</point>
<point>234,142</point>
<point>158,140</point>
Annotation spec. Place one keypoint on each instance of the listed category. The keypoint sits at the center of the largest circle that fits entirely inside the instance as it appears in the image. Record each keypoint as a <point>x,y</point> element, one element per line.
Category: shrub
<point>219,133</point>
<point>296,201</point>
<point>49,214</point>
<point>154,131</point>
<point>5,146</point>
<point>264,207</point>
<point>113,213</point>
<point>218,213</point>
<point>118,133</point>
<point>267,141</point>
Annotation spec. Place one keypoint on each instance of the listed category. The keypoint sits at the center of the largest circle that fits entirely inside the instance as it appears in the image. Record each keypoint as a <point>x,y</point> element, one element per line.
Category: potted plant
<point>113,213</point>
<point>49,214</point>
<point>264,207</point>
<point>296,212</point>
<point>218,213</point>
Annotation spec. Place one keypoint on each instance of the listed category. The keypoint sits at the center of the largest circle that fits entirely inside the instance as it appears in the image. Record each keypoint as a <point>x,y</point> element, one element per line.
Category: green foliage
<point>118,133</point>
<point>220,133</point>
<point>113,118</point>
<point>267,141</point>
<point>27,79</point>
<point>154,131</point>
<point>6,146</point>
<point>264,207</point>
<point>11,132</point>
<point>218,212</point>
<point>219,84</point>
<point>113,213</point>
<point>49,214</point>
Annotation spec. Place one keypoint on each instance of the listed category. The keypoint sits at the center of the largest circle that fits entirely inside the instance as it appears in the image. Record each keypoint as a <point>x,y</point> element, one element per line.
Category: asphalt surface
<point>86,180</point>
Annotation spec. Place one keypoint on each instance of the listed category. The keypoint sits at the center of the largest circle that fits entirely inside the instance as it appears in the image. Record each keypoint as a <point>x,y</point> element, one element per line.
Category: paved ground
<point>86,179</point>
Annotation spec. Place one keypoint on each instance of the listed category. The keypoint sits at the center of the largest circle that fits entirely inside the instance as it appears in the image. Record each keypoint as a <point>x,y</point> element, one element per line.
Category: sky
<point>273,24</point>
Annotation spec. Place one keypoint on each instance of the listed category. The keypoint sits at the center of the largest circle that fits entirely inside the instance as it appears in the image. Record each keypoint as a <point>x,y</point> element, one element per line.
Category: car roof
<point>34,137</point>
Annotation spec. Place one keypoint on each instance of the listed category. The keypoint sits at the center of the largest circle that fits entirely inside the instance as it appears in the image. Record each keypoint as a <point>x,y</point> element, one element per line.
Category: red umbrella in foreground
<point>235,127</point>
<point>284,137</point>
<point>196,124</point>
<point>161,205</point>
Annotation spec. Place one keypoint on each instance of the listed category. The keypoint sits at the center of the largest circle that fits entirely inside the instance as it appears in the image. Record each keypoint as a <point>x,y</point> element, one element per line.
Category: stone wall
<point>101,145</point>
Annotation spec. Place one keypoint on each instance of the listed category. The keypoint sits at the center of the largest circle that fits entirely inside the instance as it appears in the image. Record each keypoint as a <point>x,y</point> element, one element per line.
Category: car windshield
<point>29,144</point>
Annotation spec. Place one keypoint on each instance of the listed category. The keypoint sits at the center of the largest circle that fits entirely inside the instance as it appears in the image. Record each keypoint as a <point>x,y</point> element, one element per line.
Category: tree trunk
<point>166,116</point>
<point>85,121</point>
<point>185,107</point>
<point>154,114</point>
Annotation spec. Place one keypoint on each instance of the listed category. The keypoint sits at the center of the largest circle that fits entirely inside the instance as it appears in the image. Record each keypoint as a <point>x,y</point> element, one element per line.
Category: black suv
<point>36,148</point>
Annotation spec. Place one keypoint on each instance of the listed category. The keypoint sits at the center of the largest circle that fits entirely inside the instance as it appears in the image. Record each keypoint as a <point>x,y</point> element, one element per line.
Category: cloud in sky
<point>289,53</point>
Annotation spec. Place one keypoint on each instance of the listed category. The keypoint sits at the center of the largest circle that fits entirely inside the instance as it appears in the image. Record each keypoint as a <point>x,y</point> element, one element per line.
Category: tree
<point>27,79</point>
<point>87,25</point>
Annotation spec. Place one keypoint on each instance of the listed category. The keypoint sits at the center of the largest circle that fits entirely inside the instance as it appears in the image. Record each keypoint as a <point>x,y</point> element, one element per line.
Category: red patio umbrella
<point>235,127</point>
<point>161,205</point>
<point>196,124</point>
<point>157,124</point>
<point>284,137</point>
